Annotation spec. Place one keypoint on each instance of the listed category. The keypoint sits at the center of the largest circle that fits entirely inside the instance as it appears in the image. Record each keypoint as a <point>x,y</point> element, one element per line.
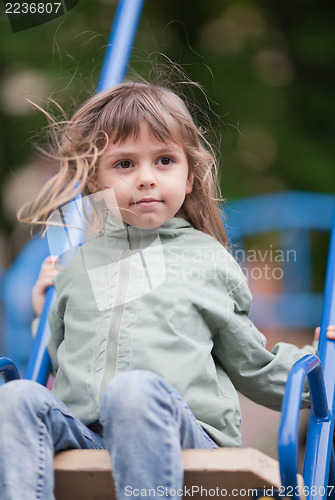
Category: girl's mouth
<point>148,202</point>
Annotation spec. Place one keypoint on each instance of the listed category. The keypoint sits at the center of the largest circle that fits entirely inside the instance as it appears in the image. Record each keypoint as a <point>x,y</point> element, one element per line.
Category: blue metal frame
<point>39,361</point>
<point>113,71</point>
<point>319,466</point>
<point>38,367</point>
<point>8,370</point>
<point>309,366</point>
<point>293,215</point>
<point>120,43</point>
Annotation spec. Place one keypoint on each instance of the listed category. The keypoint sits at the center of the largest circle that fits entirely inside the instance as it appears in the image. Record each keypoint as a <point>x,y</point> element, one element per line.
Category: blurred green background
<point>267,67</point>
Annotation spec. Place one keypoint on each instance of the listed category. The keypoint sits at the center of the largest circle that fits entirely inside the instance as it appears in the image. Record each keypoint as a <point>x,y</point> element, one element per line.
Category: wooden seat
<point>238,472</point>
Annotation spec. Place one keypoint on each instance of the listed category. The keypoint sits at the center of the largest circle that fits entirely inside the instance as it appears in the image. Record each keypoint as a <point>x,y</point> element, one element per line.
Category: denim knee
<point>19,396</point>
<point>129,393</point>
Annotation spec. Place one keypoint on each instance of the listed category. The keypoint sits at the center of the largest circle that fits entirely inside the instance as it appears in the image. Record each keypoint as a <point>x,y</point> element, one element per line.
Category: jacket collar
<point>171,228</point>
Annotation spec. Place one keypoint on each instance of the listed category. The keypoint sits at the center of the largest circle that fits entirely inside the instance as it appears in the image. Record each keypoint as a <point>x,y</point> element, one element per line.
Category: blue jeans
<point>145,422</point>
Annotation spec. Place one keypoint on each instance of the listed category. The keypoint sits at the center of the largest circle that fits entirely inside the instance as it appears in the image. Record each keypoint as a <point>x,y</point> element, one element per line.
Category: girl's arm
<point>45,279</point>
<point>240,349</point>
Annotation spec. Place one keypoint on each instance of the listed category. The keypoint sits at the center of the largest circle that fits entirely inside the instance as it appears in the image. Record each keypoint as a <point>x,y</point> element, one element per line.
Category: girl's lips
<point>148,202</point>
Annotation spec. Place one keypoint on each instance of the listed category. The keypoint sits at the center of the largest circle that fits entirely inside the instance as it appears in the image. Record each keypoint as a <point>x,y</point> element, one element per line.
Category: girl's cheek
<point>111,199</point>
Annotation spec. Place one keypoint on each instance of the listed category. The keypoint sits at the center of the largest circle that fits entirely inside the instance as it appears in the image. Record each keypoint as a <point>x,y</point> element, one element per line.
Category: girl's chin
<point>147,222</point>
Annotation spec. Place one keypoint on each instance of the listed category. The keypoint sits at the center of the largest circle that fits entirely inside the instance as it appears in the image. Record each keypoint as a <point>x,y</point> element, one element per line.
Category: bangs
<point>166,115</point>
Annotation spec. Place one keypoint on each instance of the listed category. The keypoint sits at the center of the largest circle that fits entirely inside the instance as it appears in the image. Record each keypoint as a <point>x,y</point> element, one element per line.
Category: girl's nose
<point>146,178</point>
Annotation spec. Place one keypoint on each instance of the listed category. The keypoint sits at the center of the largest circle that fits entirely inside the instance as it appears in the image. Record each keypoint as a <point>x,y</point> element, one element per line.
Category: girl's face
<point>148,178</point>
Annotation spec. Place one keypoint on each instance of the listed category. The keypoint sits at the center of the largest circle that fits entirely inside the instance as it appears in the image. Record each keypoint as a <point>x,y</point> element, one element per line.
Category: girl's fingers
<point>51,258</point>
<point>331,332</point>
<point>49,261</point>
<point>44,281</point>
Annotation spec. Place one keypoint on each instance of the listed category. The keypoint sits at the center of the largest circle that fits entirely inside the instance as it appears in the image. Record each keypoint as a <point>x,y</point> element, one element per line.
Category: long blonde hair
<point>113,115</point>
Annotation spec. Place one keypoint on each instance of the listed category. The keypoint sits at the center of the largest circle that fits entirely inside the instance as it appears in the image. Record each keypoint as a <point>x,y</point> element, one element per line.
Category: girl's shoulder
<point>205,251</point>
<point>210,246</point>
<point>214,268</point>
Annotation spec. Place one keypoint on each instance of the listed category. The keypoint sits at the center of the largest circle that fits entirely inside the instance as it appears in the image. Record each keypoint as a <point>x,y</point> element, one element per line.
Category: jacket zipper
<point>112,343</point>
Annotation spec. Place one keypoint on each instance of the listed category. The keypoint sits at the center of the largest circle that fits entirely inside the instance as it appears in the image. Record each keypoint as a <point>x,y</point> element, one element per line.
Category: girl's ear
<point>189,183</point>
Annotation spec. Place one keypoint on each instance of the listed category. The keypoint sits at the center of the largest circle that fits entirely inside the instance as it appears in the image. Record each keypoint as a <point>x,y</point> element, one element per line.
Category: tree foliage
<point>267,68</point>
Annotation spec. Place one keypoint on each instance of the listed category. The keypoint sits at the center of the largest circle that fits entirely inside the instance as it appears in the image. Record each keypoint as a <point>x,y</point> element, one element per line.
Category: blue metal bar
<point>289,210</point>
<point>39,361</point>
<point>114,67</point>
<point>327,347</point>
<point>120,43</point>
<point>309,366</point>
<point>331,480</point>
<point>319,466</point>
<point>317,391</point>
<point>8,369</point>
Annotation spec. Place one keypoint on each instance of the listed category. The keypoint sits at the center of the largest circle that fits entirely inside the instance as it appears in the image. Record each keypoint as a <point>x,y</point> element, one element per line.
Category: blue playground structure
<point>292,216</point>
<point>295,216</point>
<point>319,465</point>
<point>319,468</point>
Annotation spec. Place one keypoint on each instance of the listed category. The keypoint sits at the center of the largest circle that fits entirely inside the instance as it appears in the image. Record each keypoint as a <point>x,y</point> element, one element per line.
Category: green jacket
<point>172,301</point>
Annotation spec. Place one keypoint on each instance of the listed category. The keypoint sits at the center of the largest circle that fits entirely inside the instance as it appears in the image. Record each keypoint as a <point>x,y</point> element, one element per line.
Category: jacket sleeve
<point>240,349</point>
<point>57,335</point>
<point>56,320</point>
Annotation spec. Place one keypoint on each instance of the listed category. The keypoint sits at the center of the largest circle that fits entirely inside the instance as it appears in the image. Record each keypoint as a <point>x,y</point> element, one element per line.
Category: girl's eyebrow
<point>156,152</point>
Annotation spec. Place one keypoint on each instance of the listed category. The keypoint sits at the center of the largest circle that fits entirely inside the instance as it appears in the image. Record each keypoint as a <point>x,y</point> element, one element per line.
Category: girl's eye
<point>124,164</point>
<point>165,160</point>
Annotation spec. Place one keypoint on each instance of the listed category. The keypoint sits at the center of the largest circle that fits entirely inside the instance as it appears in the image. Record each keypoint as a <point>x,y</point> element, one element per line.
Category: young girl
<point>150,330</point>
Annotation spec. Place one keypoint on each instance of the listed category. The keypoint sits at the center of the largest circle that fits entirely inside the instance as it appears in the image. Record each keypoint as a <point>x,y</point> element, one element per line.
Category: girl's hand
<point>44,281</point>
<point>330,332</point>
